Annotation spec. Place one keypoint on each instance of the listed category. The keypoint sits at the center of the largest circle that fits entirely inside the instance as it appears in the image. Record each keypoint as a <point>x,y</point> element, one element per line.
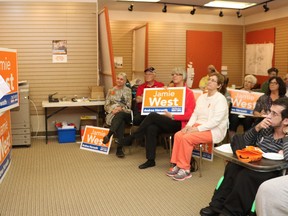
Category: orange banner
<point>164,99</point>
<point>9,72</point>
<point>5,143</point>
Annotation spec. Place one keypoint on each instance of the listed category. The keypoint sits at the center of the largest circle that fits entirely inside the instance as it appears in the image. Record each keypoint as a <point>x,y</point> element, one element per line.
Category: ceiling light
<point>130,8</point>
<point>230,4</point>
<point>192,12</point>
<point>239,15</point>
<point>266,8</point>
<point>164,10</point>
<point>221,14</point>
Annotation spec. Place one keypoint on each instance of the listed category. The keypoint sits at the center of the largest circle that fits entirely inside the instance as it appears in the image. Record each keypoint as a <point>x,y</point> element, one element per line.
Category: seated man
<point>272,197</point>
<point>272,72</point>
<point>150,82</point>
<point>204,80</point>
<point>237,192</point>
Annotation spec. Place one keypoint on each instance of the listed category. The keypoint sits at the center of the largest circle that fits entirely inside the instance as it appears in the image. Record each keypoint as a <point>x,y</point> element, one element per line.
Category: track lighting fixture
<point>221,14</point>
<point>164,10</point>
<point>130,8</point>
<point>266,8</point>
<point>192,12</point>
<point>239,15</point>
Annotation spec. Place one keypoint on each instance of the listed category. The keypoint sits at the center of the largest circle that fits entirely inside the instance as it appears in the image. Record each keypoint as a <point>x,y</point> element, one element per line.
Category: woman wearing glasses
<point>155,124</point>
<point>208,124</point>
<point>276,89</point>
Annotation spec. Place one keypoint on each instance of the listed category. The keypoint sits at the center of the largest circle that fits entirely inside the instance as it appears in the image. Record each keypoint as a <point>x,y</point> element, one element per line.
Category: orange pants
<point>184,144</point>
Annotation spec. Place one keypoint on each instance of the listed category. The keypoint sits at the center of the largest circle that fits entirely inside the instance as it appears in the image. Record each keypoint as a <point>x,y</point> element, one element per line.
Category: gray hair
<point>124,75</point>
<point>180,70</point>
<point>251,78</point>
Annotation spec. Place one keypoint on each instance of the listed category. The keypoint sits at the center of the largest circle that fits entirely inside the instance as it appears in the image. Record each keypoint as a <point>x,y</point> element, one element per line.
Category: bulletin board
<point>202,49</point>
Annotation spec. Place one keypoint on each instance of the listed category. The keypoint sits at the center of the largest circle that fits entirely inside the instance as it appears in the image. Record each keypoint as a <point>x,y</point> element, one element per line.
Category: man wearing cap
<point>150,82</point>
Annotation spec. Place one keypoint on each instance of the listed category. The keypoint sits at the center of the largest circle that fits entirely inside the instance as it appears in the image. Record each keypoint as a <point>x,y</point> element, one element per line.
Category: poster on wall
<point>9,96</point>
<point>59,51</point>
<point>259,58</point>
<point>93,140</point>
<point>5,143</point>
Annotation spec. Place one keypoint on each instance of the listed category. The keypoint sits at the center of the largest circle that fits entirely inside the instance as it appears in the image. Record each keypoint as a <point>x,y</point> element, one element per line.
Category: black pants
<point>153,125</point>
<point>118,124</point>
<point>237,192</point>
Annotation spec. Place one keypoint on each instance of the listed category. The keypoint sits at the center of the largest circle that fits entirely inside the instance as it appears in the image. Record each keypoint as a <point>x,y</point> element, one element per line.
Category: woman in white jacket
<point>208,124</point>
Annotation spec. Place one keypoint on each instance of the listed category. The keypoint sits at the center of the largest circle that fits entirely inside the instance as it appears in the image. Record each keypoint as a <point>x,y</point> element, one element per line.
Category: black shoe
<point>119,152</point>
<point>208,211</point>
<point>147,164</point>
<point>106,139</point>
<point>127,141</point>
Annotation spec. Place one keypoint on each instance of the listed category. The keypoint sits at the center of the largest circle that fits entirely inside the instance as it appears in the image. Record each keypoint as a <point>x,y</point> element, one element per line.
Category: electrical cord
<point>38,124</point>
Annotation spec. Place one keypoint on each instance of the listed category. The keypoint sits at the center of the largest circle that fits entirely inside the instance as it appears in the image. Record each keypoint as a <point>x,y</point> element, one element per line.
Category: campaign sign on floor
<point>93,140</point>
<point>243,102</point>
<point>8,79</point>
<point>5,143</point>
<point>207,151</point>
<point>164,99</point>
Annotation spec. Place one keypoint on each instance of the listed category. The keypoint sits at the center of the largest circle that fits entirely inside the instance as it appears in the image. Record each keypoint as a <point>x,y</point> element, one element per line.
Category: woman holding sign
<point>154,123</point>
<point>208,124</point>
<point>118,109</point>
<point>234,119</point>
<point>277,89</point>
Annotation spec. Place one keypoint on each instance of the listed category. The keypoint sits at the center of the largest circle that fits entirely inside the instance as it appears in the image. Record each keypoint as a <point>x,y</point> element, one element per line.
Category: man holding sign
<point>154,123</point>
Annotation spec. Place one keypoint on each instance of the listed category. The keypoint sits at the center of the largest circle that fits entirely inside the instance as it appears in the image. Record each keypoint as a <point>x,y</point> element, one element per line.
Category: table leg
<point>46,125</point>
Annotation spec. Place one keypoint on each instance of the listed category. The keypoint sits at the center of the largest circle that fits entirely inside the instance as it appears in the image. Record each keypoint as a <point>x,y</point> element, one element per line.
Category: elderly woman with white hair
<point>118,109</point>
<point>236,120</point>
<point>155,124</point>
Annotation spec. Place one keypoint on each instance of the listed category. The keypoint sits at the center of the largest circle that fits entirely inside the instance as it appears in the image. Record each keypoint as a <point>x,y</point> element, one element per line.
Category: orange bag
<point>249,154</point>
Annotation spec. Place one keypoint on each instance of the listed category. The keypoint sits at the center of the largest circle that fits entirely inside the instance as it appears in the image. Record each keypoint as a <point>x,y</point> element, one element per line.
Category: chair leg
<point>170,145</point>
<point>200,159</point>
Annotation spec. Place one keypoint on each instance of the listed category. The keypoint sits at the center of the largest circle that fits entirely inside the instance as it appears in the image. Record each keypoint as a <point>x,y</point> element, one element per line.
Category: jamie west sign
<point>164,99</point>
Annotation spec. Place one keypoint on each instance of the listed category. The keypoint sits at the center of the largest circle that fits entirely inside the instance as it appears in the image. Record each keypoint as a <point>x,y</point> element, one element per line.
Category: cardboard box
<point>97,93</point>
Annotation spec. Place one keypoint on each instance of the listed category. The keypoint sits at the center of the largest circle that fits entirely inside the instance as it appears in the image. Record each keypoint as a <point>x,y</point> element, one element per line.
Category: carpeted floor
<point>62,180</point>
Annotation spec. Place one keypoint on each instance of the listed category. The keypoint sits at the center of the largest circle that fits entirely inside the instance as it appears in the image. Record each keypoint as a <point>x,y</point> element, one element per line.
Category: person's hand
<point>189,129</point>
<point>116,109</point>
<point>280,152</point>
<point>168,114</point>
<point>265,123</point>
<point>139,99</point>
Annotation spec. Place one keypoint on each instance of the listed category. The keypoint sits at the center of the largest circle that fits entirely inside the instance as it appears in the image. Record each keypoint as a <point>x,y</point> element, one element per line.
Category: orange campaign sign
<point>243,102</point>
<point>5,143</point>
<point>164,99</point>
<point>9,75</point>
<point>93,140</point>
<point>207,151</point>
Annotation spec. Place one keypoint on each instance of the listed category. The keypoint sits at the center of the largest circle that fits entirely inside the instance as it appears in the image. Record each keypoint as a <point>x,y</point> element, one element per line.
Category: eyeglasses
<point>274,114</point>
<point>273,83</point>
<point>177,74</point>
<point>212,80</point>
<point>246,81</point>
<point>150,69</point>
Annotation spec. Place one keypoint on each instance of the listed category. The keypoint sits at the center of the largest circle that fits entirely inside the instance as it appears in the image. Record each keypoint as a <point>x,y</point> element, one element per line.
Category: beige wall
<point>281,41</point>
<point>167,46</point>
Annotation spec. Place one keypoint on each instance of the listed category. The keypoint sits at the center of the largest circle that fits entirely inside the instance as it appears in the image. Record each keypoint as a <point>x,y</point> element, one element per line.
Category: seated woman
<point>155,123</point>
<point>236,120</point>
<point>118,109</point>
<point>276,89</point>
<point>208,124</point>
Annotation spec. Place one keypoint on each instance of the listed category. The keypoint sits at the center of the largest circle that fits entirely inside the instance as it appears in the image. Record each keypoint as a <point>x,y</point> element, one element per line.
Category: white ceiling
<point>157,7</point>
